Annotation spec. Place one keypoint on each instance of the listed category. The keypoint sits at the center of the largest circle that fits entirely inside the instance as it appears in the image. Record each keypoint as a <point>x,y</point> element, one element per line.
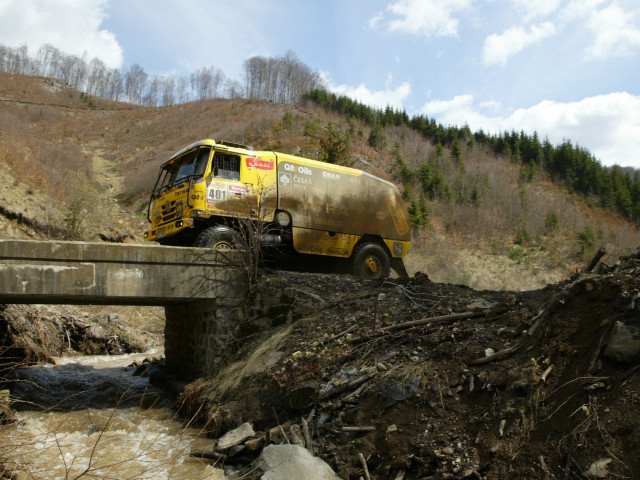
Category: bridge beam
<point>114,274</point>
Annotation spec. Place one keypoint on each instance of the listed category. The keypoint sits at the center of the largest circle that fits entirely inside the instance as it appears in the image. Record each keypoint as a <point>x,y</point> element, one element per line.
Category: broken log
<point>596,258</point>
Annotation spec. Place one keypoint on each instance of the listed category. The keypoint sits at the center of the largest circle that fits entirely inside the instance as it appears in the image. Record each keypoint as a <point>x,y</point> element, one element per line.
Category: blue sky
<point>568,69</point>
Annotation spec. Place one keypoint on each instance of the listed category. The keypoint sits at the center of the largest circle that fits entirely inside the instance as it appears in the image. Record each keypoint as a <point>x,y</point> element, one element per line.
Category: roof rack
<point>234,145</point>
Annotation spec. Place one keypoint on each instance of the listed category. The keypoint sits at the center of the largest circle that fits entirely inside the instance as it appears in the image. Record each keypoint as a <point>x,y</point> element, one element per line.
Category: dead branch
<point>364,466</point>
<point>504,353</point>
<point>359,429</point>
<point>440,319</point>
<point>306,434</point>
<point>596,258</point>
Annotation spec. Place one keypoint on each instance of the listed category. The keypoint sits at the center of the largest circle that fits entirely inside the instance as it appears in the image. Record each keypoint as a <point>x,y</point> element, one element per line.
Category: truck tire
<point>371,261</point>
<point>219,237</point>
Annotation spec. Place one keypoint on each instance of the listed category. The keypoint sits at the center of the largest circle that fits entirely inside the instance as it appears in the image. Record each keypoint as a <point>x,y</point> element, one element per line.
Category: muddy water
<point>89,417</point>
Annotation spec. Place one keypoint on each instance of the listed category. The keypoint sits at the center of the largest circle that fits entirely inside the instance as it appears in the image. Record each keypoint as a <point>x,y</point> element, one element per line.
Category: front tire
<point>220,237</point>
<point>371,261</point>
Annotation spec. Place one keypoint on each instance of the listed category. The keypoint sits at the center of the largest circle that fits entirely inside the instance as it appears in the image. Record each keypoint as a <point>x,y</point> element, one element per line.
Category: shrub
<point>334,146</point>
<point>586,241</point>
<point>551,222</point>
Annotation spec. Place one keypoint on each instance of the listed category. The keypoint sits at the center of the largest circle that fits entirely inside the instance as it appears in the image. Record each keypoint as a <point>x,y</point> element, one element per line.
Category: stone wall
<point>199,336</point>
<point>202,336</point>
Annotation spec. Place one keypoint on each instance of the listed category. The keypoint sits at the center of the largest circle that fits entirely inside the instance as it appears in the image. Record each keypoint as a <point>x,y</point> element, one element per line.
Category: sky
<point>566,69</point>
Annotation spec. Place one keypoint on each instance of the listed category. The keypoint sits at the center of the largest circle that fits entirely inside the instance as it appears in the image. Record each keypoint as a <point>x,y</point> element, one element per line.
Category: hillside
<point>80,167</point>
<point>407,378</point>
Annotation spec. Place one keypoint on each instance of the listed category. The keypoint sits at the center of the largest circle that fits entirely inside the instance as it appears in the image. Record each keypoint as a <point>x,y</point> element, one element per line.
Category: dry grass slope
<point>86,166</point>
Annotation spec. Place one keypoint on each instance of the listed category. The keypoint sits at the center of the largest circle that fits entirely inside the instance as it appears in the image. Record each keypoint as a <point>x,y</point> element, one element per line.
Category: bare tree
<point>182,90</point>
<point>134,83</point>
<point>281,79</point>
<point>96,78</point>
<point>168,91</point>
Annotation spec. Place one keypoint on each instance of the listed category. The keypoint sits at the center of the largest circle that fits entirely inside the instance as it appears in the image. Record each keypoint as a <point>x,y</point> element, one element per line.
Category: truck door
<point>227,194</point>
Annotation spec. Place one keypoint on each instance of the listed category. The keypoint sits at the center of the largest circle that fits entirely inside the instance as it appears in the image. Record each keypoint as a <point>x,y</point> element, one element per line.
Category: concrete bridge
<point>200,289</point>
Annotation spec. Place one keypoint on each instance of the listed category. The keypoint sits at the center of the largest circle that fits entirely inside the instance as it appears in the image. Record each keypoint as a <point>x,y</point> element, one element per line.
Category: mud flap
<point>398,266</point>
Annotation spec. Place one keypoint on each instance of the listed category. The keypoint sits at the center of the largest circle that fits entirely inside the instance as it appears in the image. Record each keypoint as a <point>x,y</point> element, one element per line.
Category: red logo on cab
<point>259,163</point>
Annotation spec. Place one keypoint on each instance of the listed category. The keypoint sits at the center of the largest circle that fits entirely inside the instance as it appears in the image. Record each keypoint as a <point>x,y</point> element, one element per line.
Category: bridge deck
<point>116,274</point>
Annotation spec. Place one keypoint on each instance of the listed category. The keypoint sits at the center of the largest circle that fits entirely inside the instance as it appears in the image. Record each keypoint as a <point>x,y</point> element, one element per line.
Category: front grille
<point>168,212</point>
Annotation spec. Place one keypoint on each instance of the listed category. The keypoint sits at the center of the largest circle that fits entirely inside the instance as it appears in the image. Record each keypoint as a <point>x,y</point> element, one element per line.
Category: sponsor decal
<point>260,163</point>
<point>179,209</point>
<point>199,180</point>
<point>337,251</point>
<point>301,169</point>
<point>380,216</point>
<point>216,195</point>
<point>303,180</point>
<point>397,249</point>
<point>238,189</point>
<point>285,179</point>
<point>331,175</point>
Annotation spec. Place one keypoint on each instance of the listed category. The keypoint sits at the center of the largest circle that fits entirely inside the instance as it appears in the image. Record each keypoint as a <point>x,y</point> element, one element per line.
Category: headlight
<point>283,219</point>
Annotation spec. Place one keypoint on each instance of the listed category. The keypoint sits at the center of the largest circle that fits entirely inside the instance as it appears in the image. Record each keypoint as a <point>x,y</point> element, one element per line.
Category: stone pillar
<point>198,336</point>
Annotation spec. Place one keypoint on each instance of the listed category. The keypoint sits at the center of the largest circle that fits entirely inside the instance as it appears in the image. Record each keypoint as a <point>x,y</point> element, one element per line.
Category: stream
<point>90,417</point>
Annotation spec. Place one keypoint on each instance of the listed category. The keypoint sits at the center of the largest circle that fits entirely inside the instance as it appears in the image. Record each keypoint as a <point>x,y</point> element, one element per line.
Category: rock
<point>598,469</point>
<point>479,304</point>
<point>489,351</point>
<point>624,343</point>
<point>236,449</point>
<point>392,429</point>
<point>254,444</point>
<point>292,461</point>
<point>235,437</point>
<point>392,393</point>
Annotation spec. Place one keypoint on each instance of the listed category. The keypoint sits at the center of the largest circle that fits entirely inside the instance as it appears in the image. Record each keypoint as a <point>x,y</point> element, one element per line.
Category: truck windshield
<point>191,164</point>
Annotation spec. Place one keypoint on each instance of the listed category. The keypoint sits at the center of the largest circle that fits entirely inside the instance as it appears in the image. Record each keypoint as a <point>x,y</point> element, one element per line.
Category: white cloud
<point>615,33</point>
<point>394,97</point>
<point>499,47</point>
<point>537,9</point>
<point>423,17</point>
<point>72,26</point>
<point>607,125</point>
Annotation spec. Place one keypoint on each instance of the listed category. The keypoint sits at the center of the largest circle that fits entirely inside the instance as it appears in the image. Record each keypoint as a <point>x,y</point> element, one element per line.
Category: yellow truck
<point>208,192</point>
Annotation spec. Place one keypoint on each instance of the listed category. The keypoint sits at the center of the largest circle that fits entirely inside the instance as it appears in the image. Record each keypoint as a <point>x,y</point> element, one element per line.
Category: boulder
<point>292,461</point>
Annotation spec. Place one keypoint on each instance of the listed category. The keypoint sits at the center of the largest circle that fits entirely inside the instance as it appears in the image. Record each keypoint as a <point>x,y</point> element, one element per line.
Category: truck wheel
<point>219,237</point>
<point>371,261</point>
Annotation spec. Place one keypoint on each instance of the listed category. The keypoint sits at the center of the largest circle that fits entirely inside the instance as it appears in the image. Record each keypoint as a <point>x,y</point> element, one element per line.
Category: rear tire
<point>371,261</point>
<point>220,237</point>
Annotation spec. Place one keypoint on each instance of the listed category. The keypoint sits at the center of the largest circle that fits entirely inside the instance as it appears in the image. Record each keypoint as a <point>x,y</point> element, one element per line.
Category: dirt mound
<point>36,333</point>
<point>429,380</point>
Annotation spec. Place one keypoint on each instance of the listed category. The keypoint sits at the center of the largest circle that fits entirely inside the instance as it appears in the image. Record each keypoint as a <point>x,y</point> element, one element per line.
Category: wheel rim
<point>372,266</point>
<point>223,245</point>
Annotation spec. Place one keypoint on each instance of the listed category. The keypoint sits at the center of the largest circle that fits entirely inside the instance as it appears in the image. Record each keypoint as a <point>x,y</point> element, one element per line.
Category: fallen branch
<point>499,355</point>
<point>343,333</point>
<point>440,319</point>
<point>364,466</point>
<point>359,429</point>
<point>306,434</point>
<point>208,454</point>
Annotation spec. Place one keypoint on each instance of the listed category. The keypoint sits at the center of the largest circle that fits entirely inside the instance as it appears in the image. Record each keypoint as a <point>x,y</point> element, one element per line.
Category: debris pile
<point>408,379</point>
